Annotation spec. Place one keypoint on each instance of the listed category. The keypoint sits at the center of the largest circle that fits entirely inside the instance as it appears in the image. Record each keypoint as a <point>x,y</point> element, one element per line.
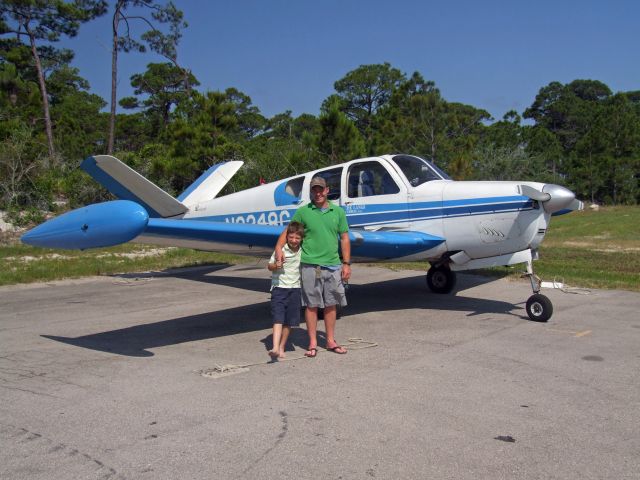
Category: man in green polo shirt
<point>322,271</point>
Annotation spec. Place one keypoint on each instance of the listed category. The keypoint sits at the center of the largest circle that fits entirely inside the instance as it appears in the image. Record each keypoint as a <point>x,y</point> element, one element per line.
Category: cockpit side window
<point>367,179</point>
<point>418,170</point>
<point>332,177</point>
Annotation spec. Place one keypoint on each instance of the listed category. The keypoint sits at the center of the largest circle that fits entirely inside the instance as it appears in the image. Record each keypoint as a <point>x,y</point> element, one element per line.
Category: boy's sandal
<point>311,352</point>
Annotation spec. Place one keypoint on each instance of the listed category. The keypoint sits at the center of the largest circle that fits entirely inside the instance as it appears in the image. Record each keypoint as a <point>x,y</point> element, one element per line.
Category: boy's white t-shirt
<point>289,275</point>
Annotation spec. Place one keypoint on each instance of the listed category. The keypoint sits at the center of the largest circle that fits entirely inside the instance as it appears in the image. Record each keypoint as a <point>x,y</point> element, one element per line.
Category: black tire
<point>441,279</point>
<point>539,308</point>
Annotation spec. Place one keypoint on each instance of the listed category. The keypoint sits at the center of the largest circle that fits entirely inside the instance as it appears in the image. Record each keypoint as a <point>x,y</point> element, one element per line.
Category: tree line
<point>579,134</point>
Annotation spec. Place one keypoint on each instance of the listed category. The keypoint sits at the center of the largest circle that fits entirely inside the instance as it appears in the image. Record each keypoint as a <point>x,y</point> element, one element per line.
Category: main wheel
<point>441,279</point>
<point>539,308</point>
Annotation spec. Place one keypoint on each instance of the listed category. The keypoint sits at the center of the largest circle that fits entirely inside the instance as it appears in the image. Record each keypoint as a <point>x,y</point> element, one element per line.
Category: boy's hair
<point>296,227</point>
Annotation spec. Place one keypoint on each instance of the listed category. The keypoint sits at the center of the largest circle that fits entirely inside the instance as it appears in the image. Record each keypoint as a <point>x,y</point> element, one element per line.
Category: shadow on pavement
<point>390,295</point>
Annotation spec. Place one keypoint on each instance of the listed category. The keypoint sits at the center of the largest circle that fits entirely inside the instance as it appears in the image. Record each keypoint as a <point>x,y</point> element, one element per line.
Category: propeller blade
<point>534,194</point>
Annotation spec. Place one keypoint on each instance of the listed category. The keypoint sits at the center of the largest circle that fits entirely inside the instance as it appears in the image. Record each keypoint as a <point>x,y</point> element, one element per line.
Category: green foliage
<point>362,93</point>
<point>50,19</point>
<point>35,21</point>
<point>20,163</point>
<point>164,86</point>
<point>25,217</point>
<point>508,163</point>
<point>339,138</point>
<point>419,121</point>
<point>580,134</point>
<point>125,14</point>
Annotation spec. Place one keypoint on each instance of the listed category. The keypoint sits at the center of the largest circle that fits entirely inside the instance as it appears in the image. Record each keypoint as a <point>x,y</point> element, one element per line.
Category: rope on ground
<point>132,282</point>
<point>354,343</point>
<point>573,290</point>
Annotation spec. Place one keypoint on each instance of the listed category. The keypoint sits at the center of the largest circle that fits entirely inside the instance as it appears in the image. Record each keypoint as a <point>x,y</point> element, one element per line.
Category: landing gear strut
<point>539,307</point>
<point>440,279</point>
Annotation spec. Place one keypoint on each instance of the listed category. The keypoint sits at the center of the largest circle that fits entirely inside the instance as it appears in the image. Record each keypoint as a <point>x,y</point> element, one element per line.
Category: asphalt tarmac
<point>166,376</point>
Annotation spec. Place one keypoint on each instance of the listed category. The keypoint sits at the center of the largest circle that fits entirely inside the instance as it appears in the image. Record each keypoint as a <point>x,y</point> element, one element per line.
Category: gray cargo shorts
<point>321,287</point>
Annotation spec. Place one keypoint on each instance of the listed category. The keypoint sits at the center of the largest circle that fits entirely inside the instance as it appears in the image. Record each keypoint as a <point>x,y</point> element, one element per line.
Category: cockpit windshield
<point>418,170</point>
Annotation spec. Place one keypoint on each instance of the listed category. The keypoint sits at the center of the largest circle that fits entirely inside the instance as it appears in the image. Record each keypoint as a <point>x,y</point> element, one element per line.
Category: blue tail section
<point>127,184</point>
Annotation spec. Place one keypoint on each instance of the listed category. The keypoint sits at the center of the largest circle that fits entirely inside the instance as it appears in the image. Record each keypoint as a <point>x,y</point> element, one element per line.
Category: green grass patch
<point>25,264</point>
<point>599,249</point>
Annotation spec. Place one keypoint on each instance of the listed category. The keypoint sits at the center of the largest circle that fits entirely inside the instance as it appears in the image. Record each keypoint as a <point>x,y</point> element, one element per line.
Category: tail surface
<point>127,184</point>
<point>209,184</point>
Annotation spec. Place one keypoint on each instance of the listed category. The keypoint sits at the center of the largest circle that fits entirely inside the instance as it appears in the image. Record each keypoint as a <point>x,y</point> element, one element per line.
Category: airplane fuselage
<point>482,219</point>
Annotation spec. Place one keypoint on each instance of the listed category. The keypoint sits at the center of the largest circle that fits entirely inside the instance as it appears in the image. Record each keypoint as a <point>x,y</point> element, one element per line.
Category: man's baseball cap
<point>318,182</point>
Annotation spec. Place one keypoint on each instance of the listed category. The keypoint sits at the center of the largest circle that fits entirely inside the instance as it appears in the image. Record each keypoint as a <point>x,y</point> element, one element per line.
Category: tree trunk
<point>114,80</point>
<point>45,100</point>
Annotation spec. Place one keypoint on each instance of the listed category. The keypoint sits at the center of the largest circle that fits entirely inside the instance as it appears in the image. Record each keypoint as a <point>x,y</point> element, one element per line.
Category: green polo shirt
<point>321,231</point>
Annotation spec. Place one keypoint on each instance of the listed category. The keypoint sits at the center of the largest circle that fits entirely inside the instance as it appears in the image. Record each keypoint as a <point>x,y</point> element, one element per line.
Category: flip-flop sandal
<point>335,350</point>
<point>311,353</point>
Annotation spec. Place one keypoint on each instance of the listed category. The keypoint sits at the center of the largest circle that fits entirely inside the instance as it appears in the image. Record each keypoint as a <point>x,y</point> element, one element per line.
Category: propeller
<point>554,198</point>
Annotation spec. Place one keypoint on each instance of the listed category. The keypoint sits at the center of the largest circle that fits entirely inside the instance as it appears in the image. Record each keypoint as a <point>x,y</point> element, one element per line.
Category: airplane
<point>398,206</point>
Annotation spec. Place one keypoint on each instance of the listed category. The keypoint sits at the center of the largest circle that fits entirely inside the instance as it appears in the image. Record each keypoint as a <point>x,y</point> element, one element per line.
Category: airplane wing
<point>119,221</point>
<point>364,244</point>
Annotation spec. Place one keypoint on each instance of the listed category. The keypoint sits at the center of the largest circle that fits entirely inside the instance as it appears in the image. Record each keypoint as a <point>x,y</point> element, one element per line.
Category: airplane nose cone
<point>561,198</point>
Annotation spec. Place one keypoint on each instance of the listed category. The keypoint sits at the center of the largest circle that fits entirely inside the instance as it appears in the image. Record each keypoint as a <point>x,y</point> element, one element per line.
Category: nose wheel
<point>539,307</point>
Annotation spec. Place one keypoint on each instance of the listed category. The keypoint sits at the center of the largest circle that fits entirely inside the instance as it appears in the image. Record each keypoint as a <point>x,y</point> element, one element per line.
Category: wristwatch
<point>346,263</point>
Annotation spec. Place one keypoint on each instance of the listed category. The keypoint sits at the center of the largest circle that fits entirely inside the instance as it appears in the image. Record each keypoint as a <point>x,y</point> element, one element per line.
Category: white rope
<point>573,290</point>
<point>353,343</point>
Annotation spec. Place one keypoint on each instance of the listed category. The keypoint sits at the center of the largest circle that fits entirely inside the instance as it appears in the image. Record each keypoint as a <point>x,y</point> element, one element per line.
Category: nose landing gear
<point>539,307</point>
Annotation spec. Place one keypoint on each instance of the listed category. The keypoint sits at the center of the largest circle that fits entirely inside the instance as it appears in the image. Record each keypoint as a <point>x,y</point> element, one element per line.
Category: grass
<point>591,249</point>
<point>25,264</point>
<point>598,249</point>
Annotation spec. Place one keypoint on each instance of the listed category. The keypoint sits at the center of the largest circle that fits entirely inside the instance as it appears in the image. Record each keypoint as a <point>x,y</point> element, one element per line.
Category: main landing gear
<point>539,307</point>
<point>440,279</point>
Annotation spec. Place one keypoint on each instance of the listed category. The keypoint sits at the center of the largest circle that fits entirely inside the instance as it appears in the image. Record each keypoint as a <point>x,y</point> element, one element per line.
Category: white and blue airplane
<point>399,207</point>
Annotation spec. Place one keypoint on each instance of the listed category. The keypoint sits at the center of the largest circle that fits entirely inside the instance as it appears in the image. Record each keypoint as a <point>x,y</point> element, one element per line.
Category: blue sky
<point>287,54</point>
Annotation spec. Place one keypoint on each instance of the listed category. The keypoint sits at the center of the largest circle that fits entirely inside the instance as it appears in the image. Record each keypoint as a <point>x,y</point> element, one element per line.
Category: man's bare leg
<point>311,317</point>
<point>330,315</point>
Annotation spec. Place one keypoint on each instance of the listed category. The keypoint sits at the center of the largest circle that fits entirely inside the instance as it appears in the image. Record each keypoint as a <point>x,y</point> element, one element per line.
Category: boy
<point>285,290</point>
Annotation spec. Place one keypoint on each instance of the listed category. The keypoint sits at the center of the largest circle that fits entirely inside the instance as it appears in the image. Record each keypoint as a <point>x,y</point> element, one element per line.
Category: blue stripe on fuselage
<point>433,210</point>
<point>381,213</point>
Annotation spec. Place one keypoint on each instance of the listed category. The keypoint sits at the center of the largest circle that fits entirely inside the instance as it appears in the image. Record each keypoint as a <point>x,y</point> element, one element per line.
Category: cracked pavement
<point>102,378</point>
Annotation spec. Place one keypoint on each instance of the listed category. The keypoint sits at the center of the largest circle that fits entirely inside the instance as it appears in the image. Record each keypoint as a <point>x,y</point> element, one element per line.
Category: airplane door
<point>374,197</point>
